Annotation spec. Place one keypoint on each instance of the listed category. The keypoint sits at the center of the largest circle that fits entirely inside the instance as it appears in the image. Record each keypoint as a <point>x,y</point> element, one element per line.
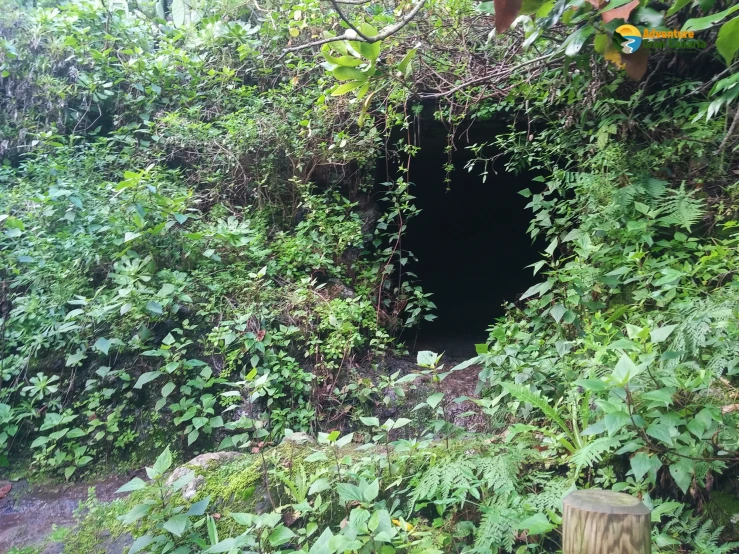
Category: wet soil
<point>457,384</point>
<point>28,513</point>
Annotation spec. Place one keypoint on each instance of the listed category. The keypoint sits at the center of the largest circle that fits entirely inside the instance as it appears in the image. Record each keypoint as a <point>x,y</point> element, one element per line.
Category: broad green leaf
<point>434,399</point>
<point>154,307</point>
<point>624,371</point>
<point>372,490</point>
<point>318,486</point>
<point>538,524</point>
<point>136,513</point>
<point>702,23</point>
<point>557,312</point>
<point>176,524</point>
<point>643,463</point>
<point>427,359</point>
<point>347,87</point>
<point>146,377</point>
<point>371,421</point>
<point>167,389</point>
<point>349,74</point>
<point>682,473</point>
<point>134,484</point>
<point>727,42</point>
<point>280,536</point>
<point>661,333</point>
<point>405,62</point>
<point>102,345</point>
<point>139,544</point>
<point>574,43</point>
<point>661,432</point>
<point>74,359</point>
<point>183,481</point>
<point>677,6</point>
<point>163,462</point>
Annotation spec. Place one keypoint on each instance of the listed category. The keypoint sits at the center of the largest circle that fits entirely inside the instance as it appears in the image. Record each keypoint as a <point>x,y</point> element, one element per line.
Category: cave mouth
<point>470,239</point>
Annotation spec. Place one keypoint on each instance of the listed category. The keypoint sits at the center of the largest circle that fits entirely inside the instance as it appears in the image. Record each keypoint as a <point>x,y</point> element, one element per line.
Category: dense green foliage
<point>193,257</point>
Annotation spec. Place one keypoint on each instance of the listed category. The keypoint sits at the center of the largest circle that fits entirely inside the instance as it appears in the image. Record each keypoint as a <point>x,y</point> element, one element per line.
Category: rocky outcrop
<point>210,460</point>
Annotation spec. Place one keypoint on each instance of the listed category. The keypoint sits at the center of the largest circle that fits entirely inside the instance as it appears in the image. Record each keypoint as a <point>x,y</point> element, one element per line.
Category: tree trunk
<point>595,521</point>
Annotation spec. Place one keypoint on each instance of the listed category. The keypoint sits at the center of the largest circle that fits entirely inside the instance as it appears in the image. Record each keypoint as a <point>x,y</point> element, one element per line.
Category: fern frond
<point>681,208</point>
<point>594,452</point>
<point>525,394</point>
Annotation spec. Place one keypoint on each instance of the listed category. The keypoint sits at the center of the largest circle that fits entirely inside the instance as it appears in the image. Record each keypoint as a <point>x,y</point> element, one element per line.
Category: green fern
<point>593,452</point>
<point>496,531</point>
<point>525,394</point>
<point>681,208</point>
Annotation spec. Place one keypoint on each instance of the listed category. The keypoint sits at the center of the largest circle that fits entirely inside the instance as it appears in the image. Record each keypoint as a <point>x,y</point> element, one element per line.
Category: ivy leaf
<point>154,307</point>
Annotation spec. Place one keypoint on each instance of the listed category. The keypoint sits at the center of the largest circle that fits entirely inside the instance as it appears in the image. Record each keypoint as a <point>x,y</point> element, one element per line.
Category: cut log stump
<point>595,521</point>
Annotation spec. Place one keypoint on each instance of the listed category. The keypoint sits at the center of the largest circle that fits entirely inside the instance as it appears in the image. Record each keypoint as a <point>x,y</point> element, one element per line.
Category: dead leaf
<point>725,410</point>
<point>636,63</point>
<point>260,335</point>
<point>5,489</point>
<point>597,4</point>
<point>506,12</point>
<point>614,56</point>
<point>622,12</point>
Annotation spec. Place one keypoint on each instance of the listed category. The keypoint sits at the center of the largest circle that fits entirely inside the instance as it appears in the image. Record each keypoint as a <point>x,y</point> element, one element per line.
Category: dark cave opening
<point>470,239</point>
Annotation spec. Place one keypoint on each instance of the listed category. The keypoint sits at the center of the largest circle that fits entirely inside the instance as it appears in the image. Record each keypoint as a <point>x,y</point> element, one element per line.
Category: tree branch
<point>382,35</point>
<point>485,78</point>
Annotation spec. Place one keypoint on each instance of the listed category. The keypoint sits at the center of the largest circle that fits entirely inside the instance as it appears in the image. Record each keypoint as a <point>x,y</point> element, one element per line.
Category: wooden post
<point>595,521</point>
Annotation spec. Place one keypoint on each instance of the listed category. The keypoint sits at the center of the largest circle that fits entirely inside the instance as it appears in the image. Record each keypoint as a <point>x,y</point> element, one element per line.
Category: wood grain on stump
<point>595,521</point>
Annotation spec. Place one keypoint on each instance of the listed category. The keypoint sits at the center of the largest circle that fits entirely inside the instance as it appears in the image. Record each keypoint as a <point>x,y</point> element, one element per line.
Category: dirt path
<point>457,384</point>
<point>28,513</point>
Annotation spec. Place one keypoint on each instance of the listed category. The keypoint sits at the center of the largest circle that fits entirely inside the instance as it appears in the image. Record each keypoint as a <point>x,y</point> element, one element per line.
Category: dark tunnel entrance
<point>470,238</point>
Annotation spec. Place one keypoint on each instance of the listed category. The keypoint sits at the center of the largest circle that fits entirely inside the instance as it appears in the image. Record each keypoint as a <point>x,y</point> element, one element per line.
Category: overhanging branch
<point>360,37</point>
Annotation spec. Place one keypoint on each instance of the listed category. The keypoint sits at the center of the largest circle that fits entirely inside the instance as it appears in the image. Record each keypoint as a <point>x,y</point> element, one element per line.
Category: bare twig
<point>730,132</point>
<point>382,35</point>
